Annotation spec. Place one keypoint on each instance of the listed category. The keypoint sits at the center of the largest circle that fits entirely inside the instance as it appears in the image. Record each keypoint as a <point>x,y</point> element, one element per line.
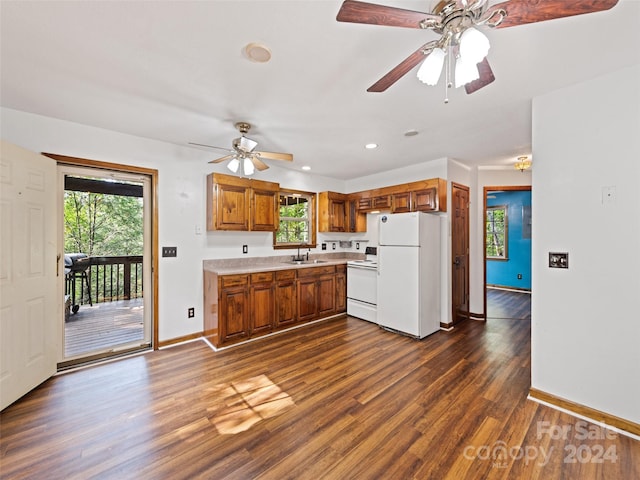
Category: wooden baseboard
<point>185,338</point>
<point>477,316</point>
<point>447,327</point>
<point>584,411</point>
<point>506,287</point>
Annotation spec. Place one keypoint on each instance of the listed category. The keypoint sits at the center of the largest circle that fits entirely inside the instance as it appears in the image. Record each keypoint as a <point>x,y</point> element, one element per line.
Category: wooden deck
<point>102,326</point>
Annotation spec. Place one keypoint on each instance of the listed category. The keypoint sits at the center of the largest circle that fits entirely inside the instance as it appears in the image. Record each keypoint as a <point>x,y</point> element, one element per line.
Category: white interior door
<point>29,304</point>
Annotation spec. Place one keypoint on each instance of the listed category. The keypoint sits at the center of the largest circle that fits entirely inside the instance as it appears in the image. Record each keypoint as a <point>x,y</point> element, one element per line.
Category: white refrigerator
<point>409,273</point>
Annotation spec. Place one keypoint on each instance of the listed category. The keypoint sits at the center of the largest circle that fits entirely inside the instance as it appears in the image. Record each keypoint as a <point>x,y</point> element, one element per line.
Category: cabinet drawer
<point>313,271</point>
<point>364,203</point>
<point>262,277</point>
<point>233,280</point>
<point>285,275</point>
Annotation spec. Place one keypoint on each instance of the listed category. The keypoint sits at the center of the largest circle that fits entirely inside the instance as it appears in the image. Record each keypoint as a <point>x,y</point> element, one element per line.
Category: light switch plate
<point>558,260</point>
<point>169,251</point>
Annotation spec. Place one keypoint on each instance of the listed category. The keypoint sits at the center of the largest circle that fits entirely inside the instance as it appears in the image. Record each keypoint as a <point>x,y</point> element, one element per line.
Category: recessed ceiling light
<point>257,52</point>
<point>306,167</point>
<point>410,133</point>
<point>371,146</point>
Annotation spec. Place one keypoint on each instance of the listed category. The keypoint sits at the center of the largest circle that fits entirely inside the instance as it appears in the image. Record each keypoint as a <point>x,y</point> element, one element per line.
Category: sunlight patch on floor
<point>248,402</point>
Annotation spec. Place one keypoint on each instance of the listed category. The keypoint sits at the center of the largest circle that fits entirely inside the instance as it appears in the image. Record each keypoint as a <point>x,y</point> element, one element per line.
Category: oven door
<point>361,284</point>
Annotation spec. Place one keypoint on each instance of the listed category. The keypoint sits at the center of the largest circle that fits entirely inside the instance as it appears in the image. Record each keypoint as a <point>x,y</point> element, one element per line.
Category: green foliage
<point>102,225</point>
<point>294,221</point>
<point>496,232</point>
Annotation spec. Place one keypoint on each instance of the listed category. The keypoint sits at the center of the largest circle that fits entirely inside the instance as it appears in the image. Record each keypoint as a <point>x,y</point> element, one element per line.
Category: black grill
<point>76,264</point>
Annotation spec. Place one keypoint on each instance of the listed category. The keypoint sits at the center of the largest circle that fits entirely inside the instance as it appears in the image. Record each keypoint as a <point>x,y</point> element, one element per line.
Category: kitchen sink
<point>305,262</point>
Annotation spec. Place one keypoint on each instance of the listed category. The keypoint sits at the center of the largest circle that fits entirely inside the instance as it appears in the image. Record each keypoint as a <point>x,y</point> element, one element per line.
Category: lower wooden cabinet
<point>258,303</point>
<point>234,308</point>
<point>316,292</point>
<point>286,298</point>
<point>341,288</point>
<point>262,296</point>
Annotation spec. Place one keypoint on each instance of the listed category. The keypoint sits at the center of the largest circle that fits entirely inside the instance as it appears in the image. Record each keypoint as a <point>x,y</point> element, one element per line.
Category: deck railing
<point>109,279</point>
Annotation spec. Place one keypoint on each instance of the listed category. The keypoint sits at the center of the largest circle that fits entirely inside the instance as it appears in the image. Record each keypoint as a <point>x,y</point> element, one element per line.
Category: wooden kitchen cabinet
<point>401,202</point>
<point>425,200</point>
<point>234,308</point>
<point>286,298</point>
<point>243,204</point>
<point>338,212</point>
<point>333,211</point>
<point>265,209</point>
<point>238,307</point>
<point>341,288</point>
<point>262,303</point>
<point>316,292</point>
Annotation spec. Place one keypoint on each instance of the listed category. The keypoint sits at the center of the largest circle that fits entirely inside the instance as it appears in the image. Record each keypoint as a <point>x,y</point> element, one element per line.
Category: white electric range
<point>362,287</point>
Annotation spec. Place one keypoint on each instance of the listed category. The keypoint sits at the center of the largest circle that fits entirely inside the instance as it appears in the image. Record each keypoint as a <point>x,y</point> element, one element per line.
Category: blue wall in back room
<point>505,273</point>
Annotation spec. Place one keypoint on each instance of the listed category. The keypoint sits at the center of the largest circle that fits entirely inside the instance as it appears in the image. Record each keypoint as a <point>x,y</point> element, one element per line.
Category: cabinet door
<point>401,202</point>
<point>338,215</point>
<point>234,314</point>
<point>382,202</point>
<point>307,299</point>
<point>264,208</point>
<point>425,200</point>
<point>286,303</point>
<point>262,308</point>
<point>232,207</point>
<point>326,295</point>
<point>341,289</point>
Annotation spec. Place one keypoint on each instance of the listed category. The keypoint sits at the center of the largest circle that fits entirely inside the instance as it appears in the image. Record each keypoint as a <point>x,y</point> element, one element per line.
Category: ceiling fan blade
<point>402,69</point>
<point>210,146</point>
<point>486,77</point>
<point>520,12</point>
<point>247,144</point>
<point>259,164</point>
<point>222,159</point>
<point>362,12</point>
<point>287,157</point>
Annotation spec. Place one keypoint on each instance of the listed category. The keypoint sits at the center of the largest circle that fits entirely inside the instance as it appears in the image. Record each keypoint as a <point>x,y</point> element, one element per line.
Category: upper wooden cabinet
<point>337,212</point>
<point>235,203</point>
<point>423,195</point>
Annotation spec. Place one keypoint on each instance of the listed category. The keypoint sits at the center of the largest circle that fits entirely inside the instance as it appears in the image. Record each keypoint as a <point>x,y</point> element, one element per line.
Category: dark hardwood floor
<point>341,399</point>
<point>503,303</point>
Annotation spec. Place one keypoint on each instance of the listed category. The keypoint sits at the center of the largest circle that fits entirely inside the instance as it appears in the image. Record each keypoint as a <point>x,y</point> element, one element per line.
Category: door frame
<point>485,192</point>
<point>153,174</point>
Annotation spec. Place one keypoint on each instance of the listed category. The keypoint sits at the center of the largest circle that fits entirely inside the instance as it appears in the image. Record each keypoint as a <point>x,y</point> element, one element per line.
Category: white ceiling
<point>175,72</point>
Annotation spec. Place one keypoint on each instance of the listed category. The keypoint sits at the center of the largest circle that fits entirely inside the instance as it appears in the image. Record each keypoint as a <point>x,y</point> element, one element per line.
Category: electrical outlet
<point>324,246</point>
<point>169,251</point>
<point>519,276</point>
<point>333,246</point>
<point>357,245</point>
<point>191,312</point>
<point>245,248</point>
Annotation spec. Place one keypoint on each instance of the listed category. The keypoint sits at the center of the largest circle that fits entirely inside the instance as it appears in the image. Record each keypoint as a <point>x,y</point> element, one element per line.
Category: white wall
<point>486,177</point>
<point>181,200</point>
<point>585,327</point>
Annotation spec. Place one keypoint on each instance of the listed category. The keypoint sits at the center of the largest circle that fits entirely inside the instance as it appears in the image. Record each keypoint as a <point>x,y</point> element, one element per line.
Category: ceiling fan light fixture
<point>466,71</point>
<point>474,45</point>
<point>247,166</point>
<point>431,68</point>
<point>233,165</point>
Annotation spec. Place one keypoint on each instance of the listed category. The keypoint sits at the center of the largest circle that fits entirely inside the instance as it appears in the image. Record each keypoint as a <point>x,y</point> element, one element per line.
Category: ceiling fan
<point>243,153</point>
<point>460,42</point>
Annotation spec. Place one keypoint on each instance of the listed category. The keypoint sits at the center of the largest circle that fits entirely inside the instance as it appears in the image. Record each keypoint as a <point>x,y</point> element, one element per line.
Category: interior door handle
<point>457,262</point>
